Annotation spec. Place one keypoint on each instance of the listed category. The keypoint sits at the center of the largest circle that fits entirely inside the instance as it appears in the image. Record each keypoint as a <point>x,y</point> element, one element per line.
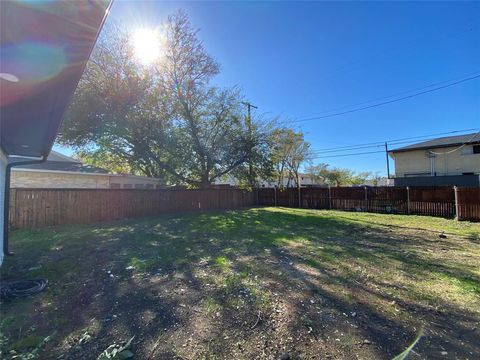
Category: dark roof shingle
<point>447,141</point>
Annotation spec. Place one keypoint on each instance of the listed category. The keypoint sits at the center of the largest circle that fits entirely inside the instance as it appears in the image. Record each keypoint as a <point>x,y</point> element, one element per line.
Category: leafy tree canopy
<point>289,152</point>
<point>323,173</point>
<point>164,120</point>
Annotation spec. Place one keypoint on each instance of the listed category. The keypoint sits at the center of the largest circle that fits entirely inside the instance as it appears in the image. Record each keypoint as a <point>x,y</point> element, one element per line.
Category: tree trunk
<point>205,182</point>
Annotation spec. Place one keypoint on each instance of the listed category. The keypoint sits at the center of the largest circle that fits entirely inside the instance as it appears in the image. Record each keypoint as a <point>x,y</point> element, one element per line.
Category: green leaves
<point>161,121</point>
<point>322,173</point>
<point>290,151</point>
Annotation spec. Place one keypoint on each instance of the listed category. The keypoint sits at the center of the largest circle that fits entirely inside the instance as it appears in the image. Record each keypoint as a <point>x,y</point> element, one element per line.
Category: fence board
<point>433,201</point>
<point>469,203</point>
<point>35,208</point>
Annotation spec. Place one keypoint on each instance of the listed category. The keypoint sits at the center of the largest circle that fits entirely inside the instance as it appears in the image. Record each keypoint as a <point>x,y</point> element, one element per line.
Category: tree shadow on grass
<point>179,301</point>
<point>382,328</point>
<point>473,235</point>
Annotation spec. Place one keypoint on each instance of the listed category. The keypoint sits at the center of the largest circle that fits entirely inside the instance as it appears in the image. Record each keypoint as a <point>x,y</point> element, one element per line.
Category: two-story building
<point>445,161</point>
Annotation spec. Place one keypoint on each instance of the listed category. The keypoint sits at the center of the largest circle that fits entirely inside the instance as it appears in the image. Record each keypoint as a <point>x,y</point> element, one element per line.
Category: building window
<point>127,186</point>
<point>467,173</point>
<point>148,186</point>
<point>115,186</point>
<point>139,186</point>
<point>469,150</point>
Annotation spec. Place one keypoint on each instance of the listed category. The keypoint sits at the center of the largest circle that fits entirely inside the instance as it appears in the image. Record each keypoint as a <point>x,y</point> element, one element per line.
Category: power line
<point>381,151</point>
<point>391,141</point>
<point>342,155</point>
<point>363,147</point>
<point>389,101</point>
<point>389,96</point>
<point>369,146</point>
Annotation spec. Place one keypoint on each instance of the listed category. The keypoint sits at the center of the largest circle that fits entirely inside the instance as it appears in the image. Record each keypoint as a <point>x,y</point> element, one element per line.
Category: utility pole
<point>388,161</point>
<point>249,127</point>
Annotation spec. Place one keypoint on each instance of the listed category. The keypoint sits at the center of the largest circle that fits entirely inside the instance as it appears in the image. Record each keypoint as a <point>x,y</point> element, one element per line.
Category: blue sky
<point>298,59</point>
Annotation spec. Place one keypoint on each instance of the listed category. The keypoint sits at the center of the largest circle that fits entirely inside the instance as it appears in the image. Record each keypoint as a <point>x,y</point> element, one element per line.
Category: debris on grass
<point>258,320</point>
<point>117,352</point>
<point>29,348</point>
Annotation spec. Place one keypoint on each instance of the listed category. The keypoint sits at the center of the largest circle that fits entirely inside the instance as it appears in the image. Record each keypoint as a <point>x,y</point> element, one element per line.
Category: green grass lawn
<point>254,283</point>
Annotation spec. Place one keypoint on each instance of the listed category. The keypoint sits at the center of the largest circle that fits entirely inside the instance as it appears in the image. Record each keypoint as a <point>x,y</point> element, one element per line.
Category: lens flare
<point>8,77</point>
<point>29,64</point>
<point>147,44</point>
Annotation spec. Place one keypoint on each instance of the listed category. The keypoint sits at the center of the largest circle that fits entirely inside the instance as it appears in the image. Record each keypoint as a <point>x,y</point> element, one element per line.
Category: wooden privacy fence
<point>462,203</point>
<point>35,208</point>
<point>468,204</point>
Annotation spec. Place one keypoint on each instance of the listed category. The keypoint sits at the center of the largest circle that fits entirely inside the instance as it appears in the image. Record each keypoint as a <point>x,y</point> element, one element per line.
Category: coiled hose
<point>22,288</point>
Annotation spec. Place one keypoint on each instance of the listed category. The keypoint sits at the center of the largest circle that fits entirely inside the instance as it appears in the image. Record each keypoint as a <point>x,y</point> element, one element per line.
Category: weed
<point>211,306</point>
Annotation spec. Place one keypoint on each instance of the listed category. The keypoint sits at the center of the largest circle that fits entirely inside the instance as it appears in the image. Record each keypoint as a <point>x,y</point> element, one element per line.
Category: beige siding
<point>445,162</point>
<point>32,179</point>
<point>52,179</point>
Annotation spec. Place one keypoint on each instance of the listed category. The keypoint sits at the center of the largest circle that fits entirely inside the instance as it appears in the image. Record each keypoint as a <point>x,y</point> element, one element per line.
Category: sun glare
<point>146,45</point>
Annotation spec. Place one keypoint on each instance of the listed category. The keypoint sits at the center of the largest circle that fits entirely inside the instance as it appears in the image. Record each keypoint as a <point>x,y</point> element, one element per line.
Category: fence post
<point>12,204</point>
<point>329,197</point>
<point>366,198</point>
<point>299,198</point>
<point>408,200</point>
<point>275,195</point>
<point>455,191</point>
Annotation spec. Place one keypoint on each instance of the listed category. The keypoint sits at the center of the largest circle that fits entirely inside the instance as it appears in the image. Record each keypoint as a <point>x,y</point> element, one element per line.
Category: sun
<point>146,45</point>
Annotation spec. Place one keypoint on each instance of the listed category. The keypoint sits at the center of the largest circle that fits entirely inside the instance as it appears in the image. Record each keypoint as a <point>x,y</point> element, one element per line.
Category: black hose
<point>22,288</point>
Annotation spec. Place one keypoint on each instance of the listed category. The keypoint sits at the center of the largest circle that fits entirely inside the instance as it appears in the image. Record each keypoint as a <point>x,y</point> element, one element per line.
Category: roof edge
<point>433,147</point>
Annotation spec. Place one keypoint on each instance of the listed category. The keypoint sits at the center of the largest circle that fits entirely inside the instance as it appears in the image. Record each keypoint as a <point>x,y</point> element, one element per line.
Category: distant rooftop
<point>60,162</point>
<point>56,156</point>
<point>447,141</point>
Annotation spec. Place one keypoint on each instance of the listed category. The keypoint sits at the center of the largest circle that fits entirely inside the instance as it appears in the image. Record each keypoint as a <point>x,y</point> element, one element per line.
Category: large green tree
<point>163,120</point>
